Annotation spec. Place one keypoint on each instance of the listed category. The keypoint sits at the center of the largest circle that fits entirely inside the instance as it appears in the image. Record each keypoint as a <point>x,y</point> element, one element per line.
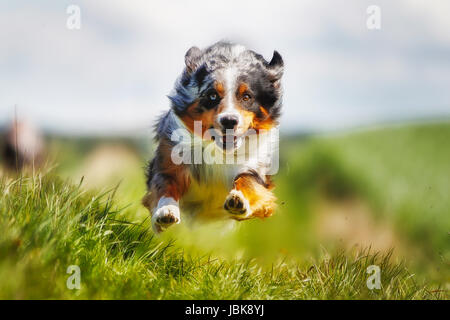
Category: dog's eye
<point>246,97</point>
<point>212,99</point>
<point>213,96</point>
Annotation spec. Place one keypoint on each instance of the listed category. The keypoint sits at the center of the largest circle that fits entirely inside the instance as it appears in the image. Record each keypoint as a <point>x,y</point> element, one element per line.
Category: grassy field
<point>377,197</point>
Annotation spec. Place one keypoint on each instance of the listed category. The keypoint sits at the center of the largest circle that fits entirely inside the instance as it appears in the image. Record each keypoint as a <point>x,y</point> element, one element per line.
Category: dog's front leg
<point>163,207</point>
<point>166,213</point>
<point>164,210</point>
<point>250,197</point>
<point>163,197</point>
<point>167,182</point>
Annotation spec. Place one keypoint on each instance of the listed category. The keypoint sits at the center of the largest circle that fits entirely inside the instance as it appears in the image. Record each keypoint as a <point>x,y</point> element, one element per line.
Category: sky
<point>112,75</point>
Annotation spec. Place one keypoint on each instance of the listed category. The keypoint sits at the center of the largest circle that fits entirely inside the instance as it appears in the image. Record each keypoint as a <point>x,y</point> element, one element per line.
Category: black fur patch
<point>204,66</point>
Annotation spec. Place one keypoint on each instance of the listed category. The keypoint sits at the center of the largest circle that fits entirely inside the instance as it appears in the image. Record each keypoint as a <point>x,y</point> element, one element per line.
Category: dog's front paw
<point>165,216</point>
<point>236,203</point>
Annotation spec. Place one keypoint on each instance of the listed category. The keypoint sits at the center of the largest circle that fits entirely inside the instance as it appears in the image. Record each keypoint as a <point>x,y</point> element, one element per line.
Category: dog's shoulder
<point>166,124</point>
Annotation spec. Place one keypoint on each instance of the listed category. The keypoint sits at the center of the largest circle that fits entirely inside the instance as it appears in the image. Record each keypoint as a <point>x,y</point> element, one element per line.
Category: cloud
<point>113,75</point>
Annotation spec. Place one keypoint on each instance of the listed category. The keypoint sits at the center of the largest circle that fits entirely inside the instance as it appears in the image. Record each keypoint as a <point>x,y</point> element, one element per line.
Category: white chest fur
<point>212,177</point>
<point>210,185</point>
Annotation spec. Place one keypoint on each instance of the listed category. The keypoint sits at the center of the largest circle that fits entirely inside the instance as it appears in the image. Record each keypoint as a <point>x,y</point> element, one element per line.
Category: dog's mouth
<point>227,142</point>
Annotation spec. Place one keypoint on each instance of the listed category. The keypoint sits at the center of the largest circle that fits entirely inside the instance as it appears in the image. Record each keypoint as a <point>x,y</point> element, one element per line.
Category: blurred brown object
<point>23,146</point>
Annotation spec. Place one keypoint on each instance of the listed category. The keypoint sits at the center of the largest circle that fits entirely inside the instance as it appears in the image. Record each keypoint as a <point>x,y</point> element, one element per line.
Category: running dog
<point>225,96</point>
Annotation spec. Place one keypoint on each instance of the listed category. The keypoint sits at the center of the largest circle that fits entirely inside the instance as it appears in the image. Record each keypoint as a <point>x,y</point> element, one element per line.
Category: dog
<point>225,95</point>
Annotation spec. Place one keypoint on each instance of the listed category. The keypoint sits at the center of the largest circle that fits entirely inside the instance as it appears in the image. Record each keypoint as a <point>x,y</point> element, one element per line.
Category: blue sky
<point>112,76</point>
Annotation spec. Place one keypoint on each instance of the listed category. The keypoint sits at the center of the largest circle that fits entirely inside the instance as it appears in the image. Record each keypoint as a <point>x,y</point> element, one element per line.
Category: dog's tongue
<point>228,140</point>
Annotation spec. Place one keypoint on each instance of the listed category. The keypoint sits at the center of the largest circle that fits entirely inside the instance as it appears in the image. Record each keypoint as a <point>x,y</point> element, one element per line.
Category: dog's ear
<point>276,66</point>
<point>192,58</point>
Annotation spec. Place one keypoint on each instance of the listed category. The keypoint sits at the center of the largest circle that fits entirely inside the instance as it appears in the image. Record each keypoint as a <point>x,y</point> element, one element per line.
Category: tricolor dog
<point>217,143</point>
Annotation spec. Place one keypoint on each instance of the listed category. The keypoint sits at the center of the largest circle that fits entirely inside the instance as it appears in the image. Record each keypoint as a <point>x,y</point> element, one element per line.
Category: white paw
<point>237,204</point>
<point>166,214</point>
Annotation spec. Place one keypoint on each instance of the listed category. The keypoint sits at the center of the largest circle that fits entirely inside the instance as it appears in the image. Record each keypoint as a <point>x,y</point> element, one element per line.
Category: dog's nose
<point>229,121</point>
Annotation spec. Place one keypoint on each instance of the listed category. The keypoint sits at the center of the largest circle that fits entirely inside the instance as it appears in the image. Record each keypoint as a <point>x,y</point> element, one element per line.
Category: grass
<point>402,173</point>
<point>48,225</point>
<point>49,221</point>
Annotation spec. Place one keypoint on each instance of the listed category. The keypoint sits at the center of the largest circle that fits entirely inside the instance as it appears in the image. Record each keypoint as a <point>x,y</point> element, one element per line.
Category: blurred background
<point>365,131</point>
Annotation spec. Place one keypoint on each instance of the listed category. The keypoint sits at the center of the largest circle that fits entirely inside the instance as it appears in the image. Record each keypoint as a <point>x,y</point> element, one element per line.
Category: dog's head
<point>230,90</point>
